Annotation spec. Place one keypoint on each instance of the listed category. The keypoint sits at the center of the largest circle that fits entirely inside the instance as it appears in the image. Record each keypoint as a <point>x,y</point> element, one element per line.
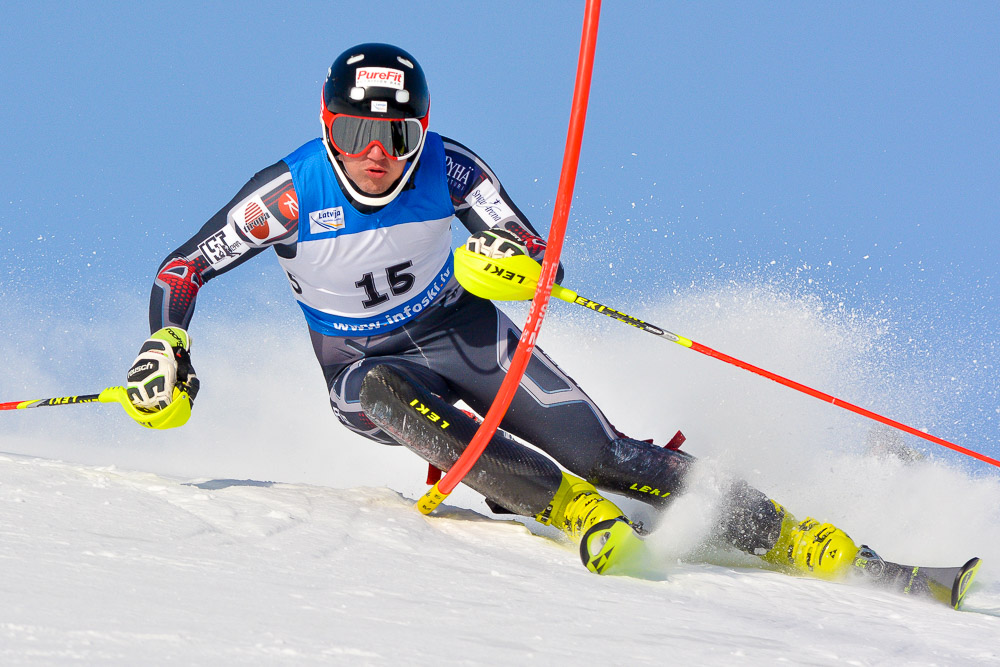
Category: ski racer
<point>360,220</point>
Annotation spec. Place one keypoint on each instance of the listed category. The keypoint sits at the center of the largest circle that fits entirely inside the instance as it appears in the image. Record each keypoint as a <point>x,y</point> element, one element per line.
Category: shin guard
<point>508,473</point>
<point>748,519</point>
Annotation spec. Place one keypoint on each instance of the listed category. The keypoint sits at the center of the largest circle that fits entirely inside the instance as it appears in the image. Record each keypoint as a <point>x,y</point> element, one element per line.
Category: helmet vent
<point>402,60</point>
<point>354,59</point>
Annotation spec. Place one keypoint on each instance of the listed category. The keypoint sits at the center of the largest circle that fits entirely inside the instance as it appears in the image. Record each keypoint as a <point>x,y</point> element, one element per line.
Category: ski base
<point>944,584</point>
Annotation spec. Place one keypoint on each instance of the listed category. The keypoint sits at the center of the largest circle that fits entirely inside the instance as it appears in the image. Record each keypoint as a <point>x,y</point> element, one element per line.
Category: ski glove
<point>164,362</point>
<point>495,244</point>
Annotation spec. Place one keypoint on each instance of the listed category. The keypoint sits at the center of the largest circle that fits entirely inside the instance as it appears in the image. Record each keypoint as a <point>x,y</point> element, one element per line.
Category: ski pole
<point>175,414</point>
<point>513,279</point>
<point>43,402</point>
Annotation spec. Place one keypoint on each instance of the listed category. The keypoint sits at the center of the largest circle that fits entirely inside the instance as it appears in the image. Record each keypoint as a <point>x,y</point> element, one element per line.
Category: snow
<point>119,567</point>
<point>249,537</point>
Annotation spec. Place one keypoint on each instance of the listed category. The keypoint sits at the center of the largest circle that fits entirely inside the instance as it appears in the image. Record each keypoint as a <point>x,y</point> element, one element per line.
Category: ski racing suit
<point>377,288</point>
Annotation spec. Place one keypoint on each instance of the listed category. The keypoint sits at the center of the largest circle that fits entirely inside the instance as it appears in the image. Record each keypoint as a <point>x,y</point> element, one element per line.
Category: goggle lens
<point>398,139</point>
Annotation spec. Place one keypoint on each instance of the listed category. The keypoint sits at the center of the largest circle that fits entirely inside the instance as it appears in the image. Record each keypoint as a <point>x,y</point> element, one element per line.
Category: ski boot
<point>810,547</point>
<point>608,540</point>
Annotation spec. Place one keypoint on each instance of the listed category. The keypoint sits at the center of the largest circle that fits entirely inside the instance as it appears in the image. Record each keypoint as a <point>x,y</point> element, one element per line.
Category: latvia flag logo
<point>255,221</point>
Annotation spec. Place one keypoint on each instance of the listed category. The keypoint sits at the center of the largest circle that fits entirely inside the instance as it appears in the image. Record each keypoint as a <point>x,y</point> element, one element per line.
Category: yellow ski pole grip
<point>174,415</point>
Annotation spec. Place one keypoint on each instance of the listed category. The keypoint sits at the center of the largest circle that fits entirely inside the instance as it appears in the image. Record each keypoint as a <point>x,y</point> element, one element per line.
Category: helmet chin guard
<point>380,82</point>
<point>358,195</point>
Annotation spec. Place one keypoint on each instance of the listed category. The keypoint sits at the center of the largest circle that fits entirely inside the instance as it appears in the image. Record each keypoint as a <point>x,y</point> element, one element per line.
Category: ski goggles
<point>398,139</point>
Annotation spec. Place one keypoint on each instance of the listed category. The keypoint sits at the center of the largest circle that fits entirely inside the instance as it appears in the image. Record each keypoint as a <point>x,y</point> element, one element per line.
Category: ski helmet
<point>375,94</point>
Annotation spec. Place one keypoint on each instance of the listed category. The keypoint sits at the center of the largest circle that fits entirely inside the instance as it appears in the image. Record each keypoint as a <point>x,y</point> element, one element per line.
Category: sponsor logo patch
<point>379,106</point>
<point>488,204</point>
<point>222,247</point>
<point>255,220</point>
<point>327,220</point>
<point>140,372</point>
<point>461,174</point>
<point>289,205</point>
<point>385,77</point>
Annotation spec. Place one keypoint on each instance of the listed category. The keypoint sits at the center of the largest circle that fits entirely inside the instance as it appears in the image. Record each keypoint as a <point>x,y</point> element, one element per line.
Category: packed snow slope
<point>265,533</point>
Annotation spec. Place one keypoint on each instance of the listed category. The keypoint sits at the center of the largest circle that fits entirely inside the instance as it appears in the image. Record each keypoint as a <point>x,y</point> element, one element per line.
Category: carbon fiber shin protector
<point>748,519</point>
<point>508,473</point>
<point>641,470</point>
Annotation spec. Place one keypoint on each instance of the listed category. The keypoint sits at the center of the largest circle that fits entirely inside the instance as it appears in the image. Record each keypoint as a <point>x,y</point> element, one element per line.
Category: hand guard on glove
<point>164,362</point>
<point>495,244</point>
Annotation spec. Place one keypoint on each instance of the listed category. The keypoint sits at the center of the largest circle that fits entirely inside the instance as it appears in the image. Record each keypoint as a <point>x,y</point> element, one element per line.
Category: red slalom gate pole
<point>567,181</point>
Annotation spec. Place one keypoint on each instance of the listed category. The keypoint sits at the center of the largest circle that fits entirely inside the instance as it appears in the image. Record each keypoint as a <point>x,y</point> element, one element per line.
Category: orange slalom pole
<point>550,266</point>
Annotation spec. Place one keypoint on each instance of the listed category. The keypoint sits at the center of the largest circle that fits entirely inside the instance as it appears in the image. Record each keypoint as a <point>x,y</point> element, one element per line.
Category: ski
<point>944,584</point>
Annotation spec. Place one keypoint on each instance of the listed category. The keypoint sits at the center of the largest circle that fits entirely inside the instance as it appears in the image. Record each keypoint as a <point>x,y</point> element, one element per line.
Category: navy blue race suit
<point>405,310</point>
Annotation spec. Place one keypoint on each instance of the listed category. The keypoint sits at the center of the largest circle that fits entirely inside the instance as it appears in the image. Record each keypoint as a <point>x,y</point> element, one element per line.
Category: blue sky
<point>847,151</point>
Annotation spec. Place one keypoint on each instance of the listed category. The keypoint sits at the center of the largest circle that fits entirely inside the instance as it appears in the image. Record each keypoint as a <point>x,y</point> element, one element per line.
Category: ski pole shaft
<point>45,402</point>
<point>513,279</point>
<point>175,414</point>
<point>573,297</point>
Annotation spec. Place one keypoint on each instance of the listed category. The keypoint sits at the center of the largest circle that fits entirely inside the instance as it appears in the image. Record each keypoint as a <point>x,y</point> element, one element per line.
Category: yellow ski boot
<point>608,543</point>
<point>810,547</point>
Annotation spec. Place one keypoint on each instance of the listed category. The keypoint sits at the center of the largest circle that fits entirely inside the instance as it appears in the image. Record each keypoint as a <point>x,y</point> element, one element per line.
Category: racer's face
<point>373,172</point>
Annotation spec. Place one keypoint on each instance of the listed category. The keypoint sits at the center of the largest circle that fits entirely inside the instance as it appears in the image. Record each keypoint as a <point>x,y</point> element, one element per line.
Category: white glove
<point>163,361</point>
<point>495,244</point>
